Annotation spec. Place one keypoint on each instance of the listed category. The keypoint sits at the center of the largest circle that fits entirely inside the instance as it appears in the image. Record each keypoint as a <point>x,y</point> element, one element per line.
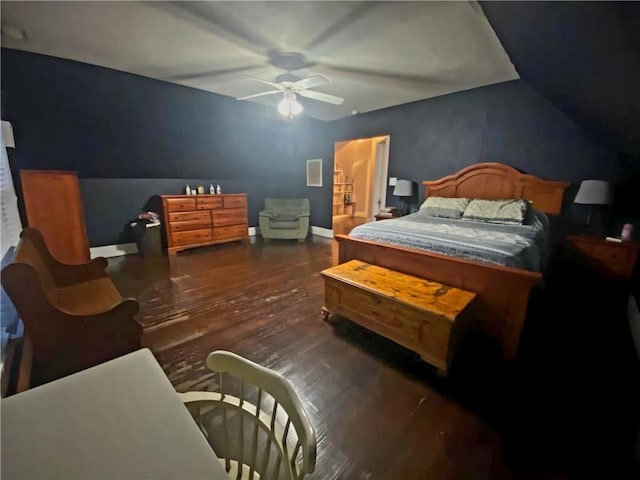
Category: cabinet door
<point>54,206</point>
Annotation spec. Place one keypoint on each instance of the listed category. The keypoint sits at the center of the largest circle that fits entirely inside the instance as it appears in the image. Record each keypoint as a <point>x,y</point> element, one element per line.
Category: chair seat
<point>283,217</point>
<point>283,225</point>
<point>91,297</point>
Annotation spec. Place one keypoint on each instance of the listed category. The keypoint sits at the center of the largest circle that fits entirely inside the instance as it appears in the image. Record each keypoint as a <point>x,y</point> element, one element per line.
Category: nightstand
<point>611,258</point>
<point>385,217</point>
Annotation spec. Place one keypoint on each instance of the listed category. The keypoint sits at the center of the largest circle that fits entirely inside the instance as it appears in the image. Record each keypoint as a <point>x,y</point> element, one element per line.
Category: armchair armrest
<point>302,214</point>
<point>268,213</point>
<point>66,275</point>
<point>63,274</point>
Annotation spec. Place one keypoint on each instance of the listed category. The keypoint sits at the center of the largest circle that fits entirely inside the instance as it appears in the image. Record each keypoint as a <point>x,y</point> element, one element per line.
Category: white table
<point>121,419</point>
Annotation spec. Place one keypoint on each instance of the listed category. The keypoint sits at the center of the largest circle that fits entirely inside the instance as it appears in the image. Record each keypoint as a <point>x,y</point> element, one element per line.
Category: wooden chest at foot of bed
<point>416,313</point>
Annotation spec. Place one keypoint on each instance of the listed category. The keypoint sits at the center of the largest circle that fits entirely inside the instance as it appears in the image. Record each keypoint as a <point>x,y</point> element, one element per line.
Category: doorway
<point>359,181</point>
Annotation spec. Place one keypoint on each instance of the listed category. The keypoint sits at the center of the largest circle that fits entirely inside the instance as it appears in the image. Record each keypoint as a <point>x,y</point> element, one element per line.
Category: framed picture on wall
<point>314,172</point>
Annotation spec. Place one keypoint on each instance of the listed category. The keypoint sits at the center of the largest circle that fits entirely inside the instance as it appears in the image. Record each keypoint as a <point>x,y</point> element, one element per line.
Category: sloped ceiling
<point>375,54</point>
<point>582,56</point>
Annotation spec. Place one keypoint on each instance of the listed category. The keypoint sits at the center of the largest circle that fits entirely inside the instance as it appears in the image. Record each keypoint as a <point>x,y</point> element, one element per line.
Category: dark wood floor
<point>379,412</point>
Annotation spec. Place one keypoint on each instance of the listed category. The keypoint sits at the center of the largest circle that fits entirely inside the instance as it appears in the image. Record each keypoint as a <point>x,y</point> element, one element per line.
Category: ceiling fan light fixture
<point>289,105</point>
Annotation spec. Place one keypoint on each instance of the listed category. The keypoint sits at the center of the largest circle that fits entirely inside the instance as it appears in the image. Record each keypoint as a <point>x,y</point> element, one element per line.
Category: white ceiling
<point>375,54</point>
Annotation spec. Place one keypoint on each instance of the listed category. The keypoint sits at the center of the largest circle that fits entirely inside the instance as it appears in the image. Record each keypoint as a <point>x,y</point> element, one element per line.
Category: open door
<point>360,177</point>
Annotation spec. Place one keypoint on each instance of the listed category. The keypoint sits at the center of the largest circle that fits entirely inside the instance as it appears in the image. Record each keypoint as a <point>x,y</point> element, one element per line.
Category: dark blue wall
<point>134,130</point>
<point>131,138</point>
<point>508,123</point>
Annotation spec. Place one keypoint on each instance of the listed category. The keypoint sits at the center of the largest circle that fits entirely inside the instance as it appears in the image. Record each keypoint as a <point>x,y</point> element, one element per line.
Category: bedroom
<point>144,136</point>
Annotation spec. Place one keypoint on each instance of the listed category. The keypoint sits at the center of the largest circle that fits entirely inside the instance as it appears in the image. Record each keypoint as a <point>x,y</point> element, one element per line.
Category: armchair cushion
<point>268,213</point>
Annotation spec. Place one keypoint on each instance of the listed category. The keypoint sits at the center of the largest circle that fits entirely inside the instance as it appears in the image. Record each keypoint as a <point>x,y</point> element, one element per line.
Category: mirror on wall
<point>314,172</point>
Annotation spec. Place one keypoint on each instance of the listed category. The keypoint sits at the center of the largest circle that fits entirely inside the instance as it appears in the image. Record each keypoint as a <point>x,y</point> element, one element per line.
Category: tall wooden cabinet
<point>54,206</point>
<point>198,220</point>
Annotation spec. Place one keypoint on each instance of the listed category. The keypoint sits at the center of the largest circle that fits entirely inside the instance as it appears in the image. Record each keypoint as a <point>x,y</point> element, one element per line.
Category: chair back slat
<point>294,466</point>
<point>254,444</point>
<point>276,471</point>
<point>266,455</point>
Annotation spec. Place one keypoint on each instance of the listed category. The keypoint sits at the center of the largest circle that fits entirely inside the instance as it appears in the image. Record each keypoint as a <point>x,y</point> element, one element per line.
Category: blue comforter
<point>525,246</point>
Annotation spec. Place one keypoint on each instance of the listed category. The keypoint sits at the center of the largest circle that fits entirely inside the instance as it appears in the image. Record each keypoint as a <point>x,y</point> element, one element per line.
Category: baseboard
<point>322,232</point>
<point>113,250</point>
<point>129,248</point>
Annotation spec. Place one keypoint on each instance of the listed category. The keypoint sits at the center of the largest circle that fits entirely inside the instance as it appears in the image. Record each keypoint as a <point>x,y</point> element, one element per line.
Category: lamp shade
<point>289,106</point>
<point>594,192</point>
<point>404,188</point>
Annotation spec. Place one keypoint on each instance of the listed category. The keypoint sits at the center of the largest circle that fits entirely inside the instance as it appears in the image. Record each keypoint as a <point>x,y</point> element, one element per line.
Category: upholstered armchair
<point>284,218</point>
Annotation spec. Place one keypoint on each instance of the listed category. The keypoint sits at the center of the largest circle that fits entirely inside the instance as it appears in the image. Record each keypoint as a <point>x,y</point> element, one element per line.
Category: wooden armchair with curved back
<point>74,316</point>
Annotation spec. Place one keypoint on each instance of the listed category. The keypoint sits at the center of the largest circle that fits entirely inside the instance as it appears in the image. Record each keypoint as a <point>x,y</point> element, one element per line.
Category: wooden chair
<point>73,315</point>
<point>249,438</point>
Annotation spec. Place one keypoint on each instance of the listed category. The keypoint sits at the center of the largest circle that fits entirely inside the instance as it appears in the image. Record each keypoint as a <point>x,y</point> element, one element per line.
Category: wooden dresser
<point>198,220</point>
<point>610,258</point>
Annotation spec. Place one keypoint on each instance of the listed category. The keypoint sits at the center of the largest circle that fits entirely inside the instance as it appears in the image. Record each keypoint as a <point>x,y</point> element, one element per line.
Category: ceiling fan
<point>290,85</point>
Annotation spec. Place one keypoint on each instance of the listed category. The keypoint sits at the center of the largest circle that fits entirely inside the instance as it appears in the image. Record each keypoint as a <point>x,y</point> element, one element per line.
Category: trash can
<point>148,238</point>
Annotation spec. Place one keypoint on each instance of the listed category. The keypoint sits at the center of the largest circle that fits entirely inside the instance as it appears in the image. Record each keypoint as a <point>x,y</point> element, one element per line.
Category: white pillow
<point>444,207</point>
<point>512,211</point>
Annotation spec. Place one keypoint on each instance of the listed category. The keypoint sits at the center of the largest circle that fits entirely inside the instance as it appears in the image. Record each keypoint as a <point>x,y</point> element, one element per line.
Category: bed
<point>503,284</point>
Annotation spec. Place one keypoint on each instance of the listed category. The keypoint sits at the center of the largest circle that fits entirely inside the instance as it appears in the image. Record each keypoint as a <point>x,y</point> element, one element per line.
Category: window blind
<point>9,216</point>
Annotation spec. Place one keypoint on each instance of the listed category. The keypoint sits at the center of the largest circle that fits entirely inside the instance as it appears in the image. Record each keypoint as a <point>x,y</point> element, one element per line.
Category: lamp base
<point>405,207</point>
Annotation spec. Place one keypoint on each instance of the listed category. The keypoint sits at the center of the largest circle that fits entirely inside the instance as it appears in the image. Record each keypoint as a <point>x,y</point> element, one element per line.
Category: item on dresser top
<point>218,189</point>
<point>200,190</point>
<point>627,232</point>
<point>211,189</point>
<point>188,190</point>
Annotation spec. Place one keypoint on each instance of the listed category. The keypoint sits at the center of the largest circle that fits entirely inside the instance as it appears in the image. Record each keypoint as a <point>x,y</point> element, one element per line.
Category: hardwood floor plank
<point>378,411</point>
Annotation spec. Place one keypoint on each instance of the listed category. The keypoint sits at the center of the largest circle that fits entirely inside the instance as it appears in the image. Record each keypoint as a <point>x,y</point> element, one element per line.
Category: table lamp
<point>593,192</point>
<point>404,189</point>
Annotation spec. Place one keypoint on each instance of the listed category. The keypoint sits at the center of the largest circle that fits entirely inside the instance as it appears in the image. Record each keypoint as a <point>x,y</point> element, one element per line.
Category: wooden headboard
<point>495,181</point>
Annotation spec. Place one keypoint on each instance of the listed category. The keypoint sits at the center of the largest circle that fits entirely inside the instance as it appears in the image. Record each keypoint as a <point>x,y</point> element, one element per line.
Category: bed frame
<point>503,292</point>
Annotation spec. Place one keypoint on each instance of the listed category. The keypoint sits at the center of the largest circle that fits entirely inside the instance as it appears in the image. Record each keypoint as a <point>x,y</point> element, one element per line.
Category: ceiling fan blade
<point>266,82</point>
<point>357,12</point>
<point>323,97</point>
<point>310,82</point>
<point>211,73</point>
<point>387,78</point>
<point>270,92</point>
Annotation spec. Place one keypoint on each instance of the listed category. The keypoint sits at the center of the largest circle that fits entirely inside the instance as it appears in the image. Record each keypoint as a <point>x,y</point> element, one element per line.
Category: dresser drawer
<point>185,216</point>
<point>190,225</point>
<point>209,203</point>
<point>610,254</point>
<point>234,231</point>
<point>229,216</point>
<point>235,202</point>
<point>191,237</point>
<point>180,204</point>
